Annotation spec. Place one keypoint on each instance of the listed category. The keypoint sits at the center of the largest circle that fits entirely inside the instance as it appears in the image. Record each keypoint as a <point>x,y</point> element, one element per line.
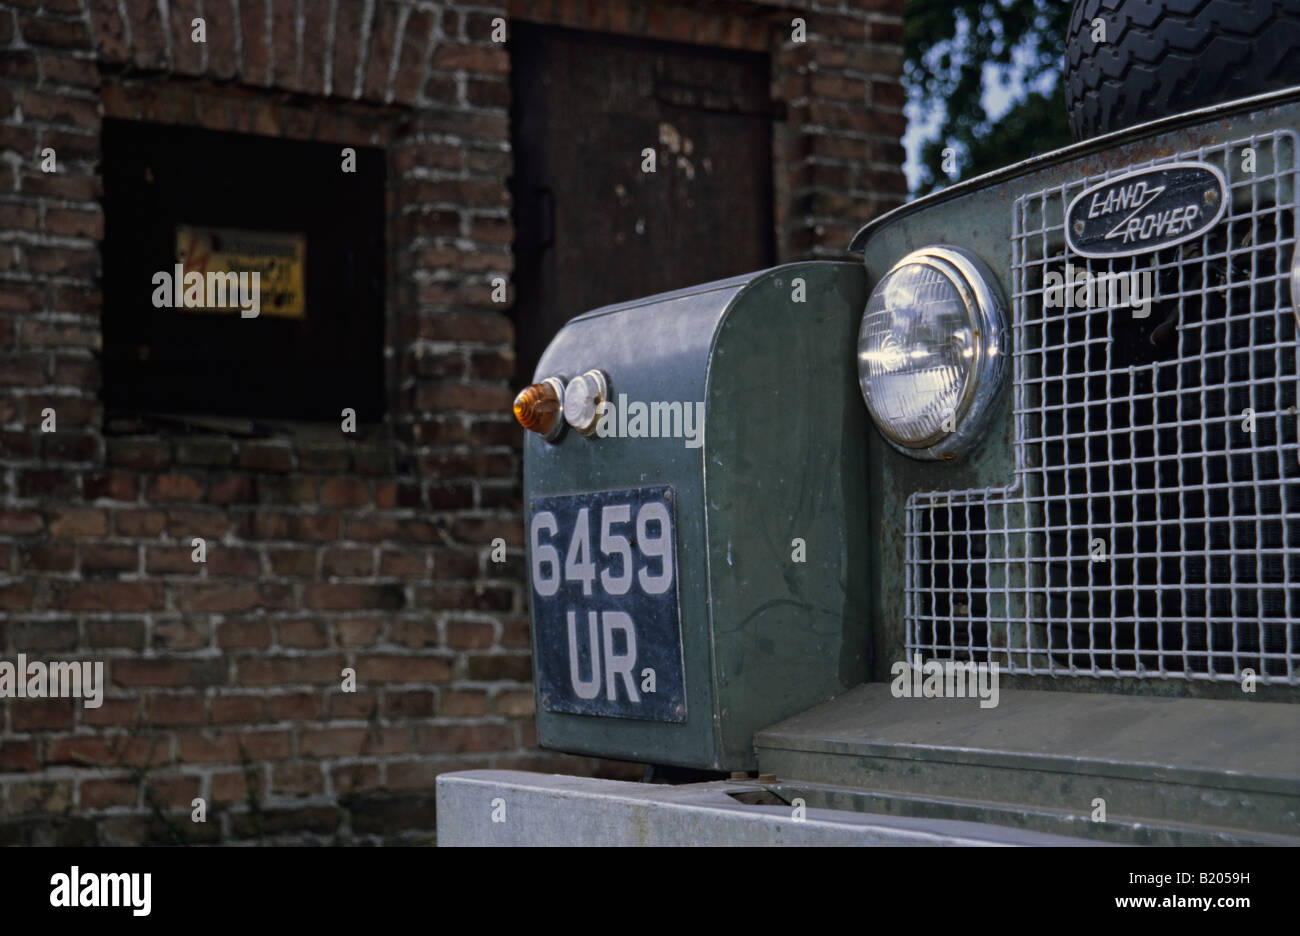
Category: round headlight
<point>930,352</point>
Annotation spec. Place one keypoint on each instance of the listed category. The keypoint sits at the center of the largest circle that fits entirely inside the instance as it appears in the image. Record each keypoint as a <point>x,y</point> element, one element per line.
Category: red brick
<point>284,47</point>
<point>227,710</point>
<point>52,715</point>
<point>103,794</point>
<point>20,522</point>
<point>417,633</point>
<point>186,53</point>
<point>55,484</point>
<point>78,188</point>
<point>107,596</point>
<point>265,457</point>
<point>484,60</point>
<point>380,60</point>
<point>19,217</point>
<point>353,705</point>
<point>455,739</point>
<point>358,632</point>
<point>112,485</point>
<point>186,633</point>
<point>403,669</point>
<point>115,712</point>
<point>226,598</point>
<point>462,703</point>
<point>142,454</point>
<point>516,632</point>
<point>216,748</point>
<point>516,703</point>
<point>264,671</point>
<point>145,523</point>
<point>353,597</point>
<point>60,34</point>
<point>17,756</point>
<point>60,108</point>
<point>305,634</point>
<point>344,492</point>
<point>74,223</point>
<point>40,796</point>
<point>117,632</point>
<point>97,557</point>
<point>347,42</point>
<point>469,635</point>
<point>348,563</point>
<point>106,21</point>
<point>315,43</point>
<point>173,672</point>
<point>168,710</point>
<point>266,745</point>
<point>175,487</point>
<point>500,666</point>
<point>221,38</point>
<point>415,45</point>
<point>302,779</point>
<point>354,778</point>
<point>256,41</point>
<point>178,792</point>
<point>244,633</point>
<point>234,786</point>
<point>105,751</point>
<point>297,706</point>
<point>228,560</point>
<point>351,742</point>
<point>401,705</point>
<point>295,562</point>
<point>233,489</point>
<point>477,597</point>
<point>187,524</point>
<point>160,560</point>
<point>403,563</point>
<point>483,530</point>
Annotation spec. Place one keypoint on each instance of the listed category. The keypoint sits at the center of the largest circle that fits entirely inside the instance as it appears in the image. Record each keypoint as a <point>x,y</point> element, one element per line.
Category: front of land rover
<point>1077,443</point>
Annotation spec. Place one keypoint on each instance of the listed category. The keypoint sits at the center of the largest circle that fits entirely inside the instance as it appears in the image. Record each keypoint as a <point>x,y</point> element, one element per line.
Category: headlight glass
<point>929,351</point>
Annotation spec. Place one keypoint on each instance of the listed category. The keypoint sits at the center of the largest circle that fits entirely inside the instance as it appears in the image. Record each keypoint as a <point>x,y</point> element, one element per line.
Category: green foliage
<point>949,43</point>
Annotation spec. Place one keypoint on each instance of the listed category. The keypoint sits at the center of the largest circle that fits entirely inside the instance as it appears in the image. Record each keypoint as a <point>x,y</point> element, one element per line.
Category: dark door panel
<point>591,226</point>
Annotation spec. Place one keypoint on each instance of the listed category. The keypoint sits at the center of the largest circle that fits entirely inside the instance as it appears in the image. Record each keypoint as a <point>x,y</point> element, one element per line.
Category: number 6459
<point>653,541</point>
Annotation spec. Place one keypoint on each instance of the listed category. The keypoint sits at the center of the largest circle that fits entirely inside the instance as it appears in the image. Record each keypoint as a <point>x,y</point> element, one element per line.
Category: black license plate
<point>603,573</point>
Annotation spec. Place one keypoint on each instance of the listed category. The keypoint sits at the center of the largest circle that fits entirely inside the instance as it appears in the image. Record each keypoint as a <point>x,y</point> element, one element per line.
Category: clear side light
<point>582,401</point>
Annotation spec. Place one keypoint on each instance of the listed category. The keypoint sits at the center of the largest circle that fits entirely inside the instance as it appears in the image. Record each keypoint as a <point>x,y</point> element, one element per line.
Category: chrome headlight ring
<point>944,383</point>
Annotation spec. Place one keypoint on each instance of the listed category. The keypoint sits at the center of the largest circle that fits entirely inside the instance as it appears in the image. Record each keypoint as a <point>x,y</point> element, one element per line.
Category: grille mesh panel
<point>1131,443</point>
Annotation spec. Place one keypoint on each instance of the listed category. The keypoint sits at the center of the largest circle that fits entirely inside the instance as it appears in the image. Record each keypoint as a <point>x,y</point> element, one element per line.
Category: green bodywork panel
<point>784,456</point>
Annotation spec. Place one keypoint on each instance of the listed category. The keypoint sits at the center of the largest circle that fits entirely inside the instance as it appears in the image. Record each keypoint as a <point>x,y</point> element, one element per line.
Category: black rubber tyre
<point>1167,56</point>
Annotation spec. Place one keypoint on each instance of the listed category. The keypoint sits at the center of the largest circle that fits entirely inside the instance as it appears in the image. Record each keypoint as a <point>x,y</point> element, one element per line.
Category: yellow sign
<point>277,259</point>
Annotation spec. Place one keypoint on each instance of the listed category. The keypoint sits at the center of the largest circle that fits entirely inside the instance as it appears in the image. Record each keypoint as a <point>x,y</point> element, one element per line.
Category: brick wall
<point>325,550</point>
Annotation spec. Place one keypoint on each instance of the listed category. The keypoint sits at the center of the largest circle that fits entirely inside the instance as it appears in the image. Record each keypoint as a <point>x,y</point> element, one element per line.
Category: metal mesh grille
<point>1131,443</point>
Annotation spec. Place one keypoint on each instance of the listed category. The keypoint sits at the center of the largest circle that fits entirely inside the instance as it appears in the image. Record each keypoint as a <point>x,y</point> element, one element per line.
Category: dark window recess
<point>591,228</point>
<point>317,234</point>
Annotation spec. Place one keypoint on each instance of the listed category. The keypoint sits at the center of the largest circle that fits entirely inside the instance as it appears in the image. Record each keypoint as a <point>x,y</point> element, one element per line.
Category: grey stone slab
<point>544,810</point>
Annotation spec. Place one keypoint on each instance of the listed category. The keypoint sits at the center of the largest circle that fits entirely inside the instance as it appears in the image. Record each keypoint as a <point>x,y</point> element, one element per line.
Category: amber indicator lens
<point>538,408</point>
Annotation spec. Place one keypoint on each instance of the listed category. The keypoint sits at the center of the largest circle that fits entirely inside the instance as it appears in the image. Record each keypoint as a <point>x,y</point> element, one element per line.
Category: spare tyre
<point>1163,57</point>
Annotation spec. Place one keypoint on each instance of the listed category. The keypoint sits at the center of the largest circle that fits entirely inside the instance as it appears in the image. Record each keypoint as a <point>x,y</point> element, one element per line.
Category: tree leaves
<point>948,45</point>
